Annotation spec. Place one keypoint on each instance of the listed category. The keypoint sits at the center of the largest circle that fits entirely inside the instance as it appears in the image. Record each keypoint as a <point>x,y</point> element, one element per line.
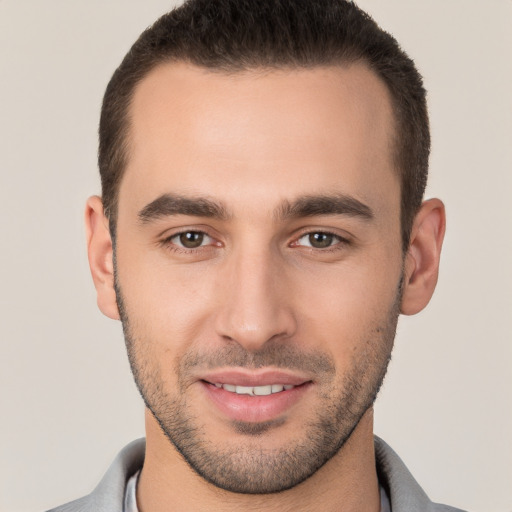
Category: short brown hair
<point>236,35</point>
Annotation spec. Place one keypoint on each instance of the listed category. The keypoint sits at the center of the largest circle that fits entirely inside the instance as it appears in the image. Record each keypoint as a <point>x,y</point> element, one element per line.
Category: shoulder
<point>79,505</point>
<point>404,492</point>
<point>109,493</point>
<point>437,507</point>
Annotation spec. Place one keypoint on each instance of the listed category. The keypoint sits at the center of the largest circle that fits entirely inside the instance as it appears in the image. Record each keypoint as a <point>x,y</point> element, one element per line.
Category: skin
<point>254,142</point>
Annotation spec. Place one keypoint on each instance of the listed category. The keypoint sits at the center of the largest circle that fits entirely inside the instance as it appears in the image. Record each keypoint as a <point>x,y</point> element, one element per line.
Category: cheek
<point>348,306</point>
<point>168,306</point>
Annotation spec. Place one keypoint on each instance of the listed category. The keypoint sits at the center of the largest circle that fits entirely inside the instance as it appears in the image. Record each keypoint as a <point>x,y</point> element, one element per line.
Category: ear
<point>422,259</point>
<point>100,252</point>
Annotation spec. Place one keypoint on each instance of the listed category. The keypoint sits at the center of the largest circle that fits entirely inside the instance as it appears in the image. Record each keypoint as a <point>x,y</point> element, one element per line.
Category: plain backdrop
<point>67,400</point>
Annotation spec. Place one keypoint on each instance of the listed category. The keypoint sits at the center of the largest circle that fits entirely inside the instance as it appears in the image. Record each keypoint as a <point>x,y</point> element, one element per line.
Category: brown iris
<point>320,240</point>
<point>191,239</point>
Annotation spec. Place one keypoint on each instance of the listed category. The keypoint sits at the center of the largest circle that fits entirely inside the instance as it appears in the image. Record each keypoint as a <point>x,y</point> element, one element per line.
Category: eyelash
<point>169,244</point>
<point>340,243</point>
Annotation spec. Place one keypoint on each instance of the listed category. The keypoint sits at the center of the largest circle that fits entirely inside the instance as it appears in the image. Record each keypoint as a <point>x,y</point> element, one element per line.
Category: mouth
<point>265,390</point>
<point>254,397</point>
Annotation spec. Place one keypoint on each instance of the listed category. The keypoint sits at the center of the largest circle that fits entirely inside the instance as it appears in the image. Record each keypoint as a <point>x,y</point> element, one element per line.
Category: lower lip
<point>254,409</point>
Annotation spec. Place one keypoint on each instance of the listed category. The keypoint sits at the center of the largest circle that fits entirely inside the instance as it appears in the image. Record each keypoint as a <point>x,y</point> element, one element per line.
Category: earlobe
<point>422,259</point>
<point>100,253</point>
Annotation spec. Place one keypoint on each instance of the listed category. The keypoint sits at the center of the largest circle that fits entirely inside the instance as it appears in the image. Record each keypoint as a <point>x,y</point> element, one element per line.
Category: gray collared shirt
<point>130,496</point>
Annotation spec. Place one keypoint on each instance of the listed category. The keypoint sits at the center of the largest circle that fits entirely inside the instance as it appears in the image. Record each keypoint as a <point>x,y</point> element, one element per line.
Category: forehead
<point>260,134</point>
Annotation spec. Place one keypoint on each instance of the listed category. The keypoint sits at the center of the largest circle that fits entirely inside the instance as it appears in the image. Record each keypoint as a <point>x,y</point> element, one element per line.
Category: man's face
<point>258,263</point>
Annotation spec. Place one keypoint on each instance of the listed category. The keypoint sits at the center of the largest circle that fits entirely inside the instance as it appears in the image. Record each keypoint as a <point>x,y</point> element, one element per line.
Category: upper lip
<point>243,377</point>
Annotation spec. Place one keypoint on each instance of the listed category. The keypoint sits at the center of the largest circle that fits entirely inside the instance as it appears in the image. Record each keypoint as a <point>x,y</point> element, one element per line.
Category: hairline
<point>233,70</point>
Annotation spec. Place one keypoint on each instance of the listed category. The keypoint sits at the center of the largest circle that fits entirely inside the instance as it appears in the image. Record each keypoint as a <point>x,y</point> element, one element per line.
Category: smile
<point>253,398</point>
<point>268,389</point>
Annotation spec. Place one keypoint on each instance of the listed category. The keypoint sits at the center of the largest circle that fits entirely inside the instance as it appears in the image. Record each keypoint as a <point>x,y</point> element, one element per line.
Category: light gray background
<point>67,401</point>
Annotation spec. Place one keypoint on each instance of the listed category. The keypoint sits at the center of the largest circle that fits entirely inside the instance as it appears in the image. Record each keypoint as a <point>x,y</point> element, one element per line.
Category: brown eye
<point>190,239</point>
<point>318,240</point>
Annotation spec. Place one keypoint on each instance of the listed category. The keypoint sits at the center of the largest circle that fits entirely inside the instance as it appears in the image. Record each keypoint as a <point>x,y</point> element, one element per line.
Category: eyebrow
<point>305,206</point>
<point>336,204</point>
<point>169,204</point>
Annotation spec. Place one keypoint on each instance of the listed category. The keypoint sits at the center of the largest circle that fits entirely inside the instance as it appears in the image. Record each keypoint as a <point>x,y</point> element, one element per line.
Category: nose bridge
<point>254,309</point>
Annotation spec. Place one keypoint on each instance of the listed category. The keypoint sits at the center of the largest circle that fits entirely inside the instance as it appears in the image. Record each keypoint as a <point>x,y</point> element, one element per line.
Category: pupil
<point>191,239</point>
<point>320,240</point>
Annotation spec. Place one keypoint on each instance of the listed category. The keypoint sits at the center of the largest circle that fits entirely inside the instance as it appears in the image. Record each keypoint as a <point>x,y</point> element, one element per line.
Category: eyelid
<point>342,238</point>
<point>177,235</point>
<point>166,238</point>
<point>335,239</point>
<point>170,234</point>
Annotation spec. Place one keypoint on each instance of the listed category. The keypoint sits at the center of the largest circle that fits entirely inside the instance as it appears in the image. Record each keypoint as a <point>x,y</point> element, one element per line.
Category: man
<point>260,229</point>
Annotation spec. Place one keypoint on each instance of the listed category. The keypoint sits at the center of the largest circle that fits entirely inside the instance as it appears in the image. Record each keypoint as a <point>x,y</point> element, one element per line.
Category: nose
<point>256,305</point>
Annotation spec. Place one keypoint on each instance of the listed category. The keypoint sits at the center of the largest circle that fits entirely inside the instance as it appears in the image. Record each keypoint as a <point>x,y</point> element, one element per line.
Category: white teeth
<point>244,390</point>
<point>262,390</point>
<point>255,390</point>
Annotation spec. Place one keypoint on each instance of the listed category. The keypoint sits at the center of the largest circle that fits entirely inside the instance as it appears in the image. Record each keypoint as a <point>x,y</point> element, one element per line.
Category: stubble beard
<point>249,467</point>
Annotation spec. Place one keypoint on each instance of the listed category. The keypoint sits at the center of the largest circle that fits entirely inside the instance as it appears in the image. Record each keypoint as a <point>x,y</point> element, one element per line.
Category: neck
<point>346,482</point>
